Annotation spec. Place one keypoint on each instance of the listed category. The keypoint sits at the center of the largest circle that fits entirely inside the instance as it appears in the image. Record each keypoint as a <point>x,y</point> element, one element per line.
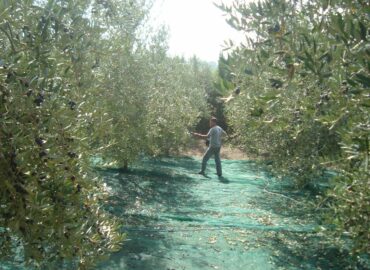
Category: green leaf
<point>306,39</point>
<point>326,75</point>
<point>325,4</point>
<point>363,79</point>
<point>363,31</point>
<point>264,54</point>
<point>352,82</point>
<point>309,57</point>
<point>268,97</point>
<point>365,103</point>
<point>326,56</point>
<point>257,112</point>
<point>340,22</point>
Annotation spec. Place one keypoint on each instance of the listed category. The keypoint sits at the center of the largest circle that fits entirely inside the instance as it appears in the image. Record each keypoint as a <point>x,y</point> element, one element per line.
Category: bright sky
<point>197,27</point>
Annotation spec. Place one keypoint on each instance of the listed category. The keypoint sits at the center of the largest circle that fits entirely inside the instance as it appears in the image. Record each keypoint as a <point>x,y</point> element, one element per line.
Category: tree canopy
<point>304,75</point>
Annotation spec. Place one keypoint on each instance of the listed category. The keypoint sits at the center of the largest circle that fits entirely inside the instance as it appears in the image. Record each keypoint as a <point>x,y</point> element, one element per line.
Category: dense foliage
<point>80,79</point>
<point>304,73</point>
<point>50,204</point>
<point>151,99</point>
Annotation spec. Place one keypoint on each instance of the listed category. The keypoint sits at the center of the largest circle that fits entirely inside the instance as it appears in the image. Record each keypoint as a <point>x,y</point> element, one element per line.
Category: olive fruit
<point>72,105</point>
<point>72,154</point>
<point>43,153</point>
<point>39,99</point>
<point>237,91</point>
<point>39,141</point>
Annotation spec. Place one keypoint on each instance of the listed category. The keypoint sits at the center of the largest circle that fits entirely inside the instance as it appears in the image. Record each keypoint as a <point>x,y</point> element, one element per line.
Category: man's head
<point>213,122</point>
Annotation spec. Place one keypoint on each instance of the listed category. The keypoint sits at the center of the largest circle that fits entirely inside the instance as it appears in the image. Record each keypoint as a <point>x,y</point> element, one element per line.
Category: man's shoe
<point>219,175</point>
<point>202,173</point>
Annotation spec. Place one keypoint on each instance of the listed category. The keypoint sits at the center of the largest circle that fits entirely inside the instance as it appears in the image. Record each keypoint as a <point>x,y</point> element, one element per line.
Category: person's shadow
<point>223,180</point>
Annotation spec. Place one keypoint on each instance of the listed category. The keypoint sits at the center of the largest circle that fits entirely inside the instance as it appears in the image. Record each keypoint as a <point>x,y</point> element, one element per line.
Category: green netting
<point>176,219</point>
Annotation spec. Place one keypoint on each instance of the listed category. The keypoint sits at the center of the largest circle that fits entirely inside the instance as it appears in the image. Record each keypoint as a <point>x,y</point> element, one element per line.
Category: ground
<point>175,219</point>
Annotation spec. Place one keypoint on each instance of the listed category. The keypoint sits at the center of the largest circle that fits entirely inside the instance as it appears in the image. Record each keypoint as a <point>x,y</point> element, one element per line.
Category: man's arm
<point>198,135</point>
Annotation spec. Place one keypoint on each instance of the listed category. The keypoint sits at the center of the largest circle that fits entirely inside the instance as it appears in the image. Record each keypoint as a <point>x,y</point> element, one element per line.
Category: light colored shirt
<point>215,136</point>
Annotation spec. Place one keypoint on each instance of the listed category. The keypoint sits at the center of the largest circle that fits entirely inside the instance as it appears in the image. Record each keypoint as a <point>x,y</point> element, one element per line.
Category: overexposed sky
<point>197,27</point>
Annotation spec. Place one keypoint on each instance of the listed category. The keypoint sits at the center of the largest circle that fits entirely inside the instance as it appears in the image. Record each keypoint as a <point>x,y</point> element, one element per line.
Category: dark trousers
<point>215,151</point>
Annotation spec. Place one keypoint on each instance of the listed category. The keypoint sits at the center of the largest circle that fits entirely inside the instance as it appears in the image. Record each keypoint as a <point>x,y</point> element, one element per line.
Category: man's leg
<point>206,157</point>
<point>218,161</point>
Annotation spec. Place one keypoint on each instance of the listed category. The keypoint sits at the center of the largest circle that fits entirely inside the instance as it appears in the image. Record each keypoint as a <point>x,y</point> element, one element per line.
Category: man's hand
<point>198,135</point>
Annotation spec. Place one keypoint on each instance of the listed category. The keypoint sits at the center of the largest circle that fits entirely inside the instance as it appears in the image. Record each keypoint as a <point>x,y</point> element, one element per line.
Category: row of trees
<point>80,79</point>
<point>304,72</point>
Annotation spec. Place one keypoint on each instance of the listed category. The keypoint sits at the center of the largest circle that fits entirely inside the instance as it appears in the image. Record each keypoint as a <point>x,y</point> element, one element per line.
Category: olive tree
<point>304,104</point>
<point>51,204</point>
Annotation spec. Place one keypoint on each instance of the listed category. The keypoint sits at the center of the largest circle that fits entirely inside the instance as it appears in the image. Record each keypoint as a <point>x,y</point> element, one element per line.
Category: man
<point>214,135</point>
